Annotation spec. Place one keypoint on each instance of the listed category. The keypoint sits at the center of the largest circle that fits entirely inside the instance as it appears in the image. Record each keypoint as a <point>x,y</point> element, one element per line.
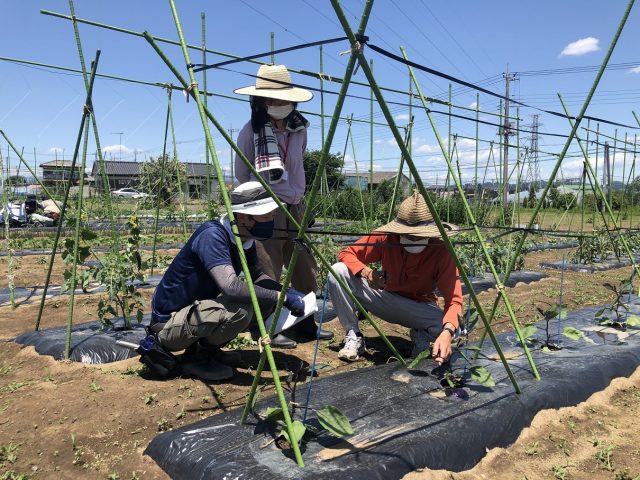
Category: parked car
<point>129,193</point>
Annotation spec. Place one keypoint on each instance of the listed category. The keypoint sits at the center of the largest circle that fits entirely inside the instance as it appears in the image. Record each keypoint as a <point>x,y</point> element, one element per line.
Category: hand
<point>295,292</point>
<point>295,304</point>
<point>376,279</point>
<point>441,350</point>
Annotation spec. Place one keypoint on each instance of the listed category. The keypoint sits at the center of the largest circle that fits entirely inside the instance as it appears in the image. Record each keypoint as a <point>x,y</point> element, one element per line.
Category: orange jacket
<point>412,275</point>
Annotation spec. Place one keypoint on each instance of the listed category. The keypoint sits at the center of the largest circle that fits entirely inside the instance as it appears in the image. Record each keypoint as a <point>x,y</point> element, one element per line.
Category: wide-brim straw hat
<point>414,218</point>
<point>252,199</point>
<point>274,81</point>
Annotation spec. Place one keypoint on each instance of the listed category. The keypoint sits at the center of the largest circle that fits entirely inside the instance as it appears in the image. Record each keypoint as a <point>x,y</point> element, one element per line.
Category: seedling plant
<point>329,417</point>
<point>616,314</point>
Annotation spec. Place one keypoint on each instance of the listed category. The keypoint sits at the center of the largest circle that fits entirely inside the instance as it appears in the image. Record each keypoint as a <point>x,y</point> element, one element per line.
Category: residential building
<point>59,171</point>
<point>123,174</point>
<point>352,179</point>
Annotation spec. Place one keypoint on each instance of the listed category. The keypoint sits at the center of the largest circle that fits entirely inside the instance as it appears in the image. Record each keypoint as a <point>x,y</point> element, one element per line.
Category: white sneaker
<point>353,347</point>
<point>421,341</point>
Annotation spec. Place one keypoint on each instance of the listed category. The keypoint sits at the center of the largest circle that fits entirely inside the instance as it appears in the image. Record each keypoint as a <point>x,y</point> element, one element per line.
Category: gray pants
<point>388,306</point>
<point>219,322</point>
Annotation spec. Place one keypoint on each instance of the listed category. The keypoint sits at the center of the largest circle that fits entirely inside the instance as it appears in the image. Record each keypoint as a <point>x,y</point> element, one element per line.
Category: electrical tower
<point>506,131</point>
<point>534,163</point>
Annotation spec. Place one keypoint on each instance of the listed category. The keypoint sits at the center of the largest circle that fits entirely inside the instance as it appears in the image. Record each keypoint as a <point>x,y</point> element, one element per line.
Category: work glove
<point>295,303</point>
<point>294,291</point>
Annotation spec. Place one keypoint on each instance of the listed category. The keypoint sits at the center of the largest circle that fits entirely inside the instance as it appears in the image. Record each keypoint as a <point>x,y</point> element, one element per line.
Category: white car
<point>129,193</point>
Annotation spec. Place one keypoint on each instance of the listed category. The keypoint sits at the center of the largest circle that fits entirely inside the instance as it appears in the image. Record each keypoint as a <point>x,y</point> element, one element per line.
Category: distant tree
<point>159,178</point>
<point>16,180</point>
<point>333,166</point>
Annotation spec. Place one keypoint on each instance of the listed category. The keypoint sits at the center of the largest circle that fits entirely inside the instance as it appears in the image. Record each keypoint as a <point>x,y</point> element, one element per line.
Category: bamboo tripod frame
<point>319,179</point>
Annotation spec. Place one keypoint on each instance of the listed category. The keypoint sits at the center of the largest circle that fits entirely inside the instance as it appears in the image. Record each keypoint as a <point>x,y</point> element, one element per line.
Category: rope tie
<point>355,48</point>
<point>262,341</point>
<point>187,91</point>
<point>87,109</point>
<point>500,288</point>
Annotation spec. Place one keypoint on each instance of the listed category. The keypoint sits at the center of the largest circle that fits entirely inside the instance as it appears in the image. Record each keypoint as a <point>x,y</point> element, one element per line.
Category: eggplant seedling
<point>329,417</point>
<point>616,314</point>
<point>558,312</point>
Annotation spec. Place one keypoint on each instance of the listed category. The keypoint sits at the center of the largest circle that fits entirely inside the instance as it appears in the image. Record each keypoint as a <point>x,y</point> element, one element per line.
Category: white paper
<point>287,320</point>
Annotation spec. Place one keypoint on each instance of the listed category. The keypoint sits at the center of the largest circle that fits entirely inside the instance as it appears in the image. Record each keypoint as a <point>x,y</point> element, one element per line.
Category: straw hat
<point>414,218</point>
<point>274,81</point>
<point>252,199</point>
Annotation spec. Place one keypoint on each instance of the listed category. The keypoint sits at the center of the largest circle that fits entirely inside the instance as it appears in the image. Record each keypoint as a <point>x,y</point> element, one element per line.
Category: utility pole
<point>606,173</point>
<point>506,131</point>
<point>231,161</point>
<point>119,142</point>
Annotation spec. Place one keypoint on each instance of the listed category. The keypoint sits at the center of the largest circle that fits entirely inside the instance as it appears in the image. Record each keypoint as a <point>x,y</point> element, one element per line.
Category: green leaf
<point>599,313</point>
<point>419,358</point>
<point>334,421</point>
<point>482,376</point>
<point>633,321</point>
<point>529,331</point>
<point>298,431</point>
<point>274,414</point>
<point>572,333</point>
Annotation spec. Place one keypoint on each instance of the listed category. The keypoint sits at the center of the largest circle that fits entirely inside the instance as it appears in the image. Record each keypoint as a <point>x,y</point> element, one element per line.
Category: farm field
<point>67,420</point>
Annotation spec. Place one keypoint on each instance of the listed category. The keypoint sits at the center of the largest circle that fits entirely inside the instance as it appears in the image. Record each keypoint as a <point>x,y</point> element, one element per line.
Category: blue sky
<point>40,109</point>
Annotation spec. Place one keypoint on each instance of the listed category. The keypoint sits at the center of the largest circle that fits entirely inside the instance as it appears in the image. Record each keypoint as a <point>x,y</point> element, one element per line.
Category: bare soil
<point>68,420</point>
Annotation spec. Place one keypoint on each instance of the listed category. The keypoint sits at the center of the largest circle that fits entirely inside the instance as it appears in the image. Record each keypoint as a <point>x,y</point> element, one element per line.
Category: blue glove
<point>294,291</point>
<point>295,303</point>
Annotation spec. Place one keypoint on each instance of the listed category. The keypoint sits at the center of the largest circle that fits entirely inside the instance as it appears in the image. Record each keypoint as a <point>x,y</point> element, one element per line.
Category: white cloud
<point>635,69</point>
<point>426,148</point>
<point>377,142</point>
<point>473,105</point>
<point>117,149</point>
<point>581,47</point>
<point>55,150</point>
<point>402,116</point>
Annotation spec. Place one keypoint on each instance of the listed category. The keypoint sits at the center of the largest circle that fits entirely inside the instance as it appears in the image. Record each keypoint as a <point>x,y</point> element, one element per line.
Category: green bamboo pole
<point>367,220</point>
<point>315,250</point>
<point>595,203</point>
<point>370,189</point>
<point>324,204</point>
<point>411,124</point>
<point>563,153</point>
<point>103,173</point>
<point>185,190</point>
<point>517,162</point>
<point>210,209</point>
<point>475,188</point>
<point>88,110</point>
<point>396,184</point>
<point>607,205</point>
<point>161,185</point>
<point>624,172</point>
<point>499,281</point>
<point>633,168</point>
<point>7,235</point>
<point>254,301</point>
<point>76,239</point>
<point>273,47</point>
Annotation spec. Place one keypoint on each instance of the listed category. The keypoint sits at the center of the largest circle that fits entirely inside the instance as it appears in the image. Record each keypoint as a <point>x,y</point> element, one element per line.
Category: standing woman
<point>275,140</point>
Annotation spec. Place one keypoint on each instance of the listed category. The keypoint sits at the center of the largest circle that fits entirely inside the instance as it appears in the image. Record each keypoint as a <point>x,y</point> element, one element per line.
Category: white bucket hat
<point>251,198</point>
<point>274,81</point>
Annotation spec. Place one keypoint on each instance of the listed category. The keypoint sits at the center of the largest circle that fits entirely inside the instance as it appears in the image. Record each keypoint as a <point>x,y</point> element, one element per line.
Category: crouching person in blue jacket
<point>200,304</point>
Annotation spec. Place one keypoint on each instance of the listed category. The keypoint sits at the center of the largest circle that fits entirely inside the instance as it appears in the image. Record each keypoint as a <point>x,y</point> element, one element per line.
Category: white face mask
<point>280,112</point>
<point>410,245</point>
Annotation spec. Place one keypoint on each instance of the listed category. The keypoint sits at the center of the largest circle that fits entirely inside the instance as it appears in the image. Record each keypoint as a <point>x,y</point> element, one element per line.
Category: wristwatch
<point>449,329</point>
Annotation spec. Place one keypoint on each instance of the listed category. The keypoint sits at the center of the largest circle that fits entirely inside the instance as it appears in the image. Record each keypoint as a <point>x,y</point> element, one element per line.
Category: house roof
<point>58,163</point>
<point>132,169</point>
<point>378,177</point>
